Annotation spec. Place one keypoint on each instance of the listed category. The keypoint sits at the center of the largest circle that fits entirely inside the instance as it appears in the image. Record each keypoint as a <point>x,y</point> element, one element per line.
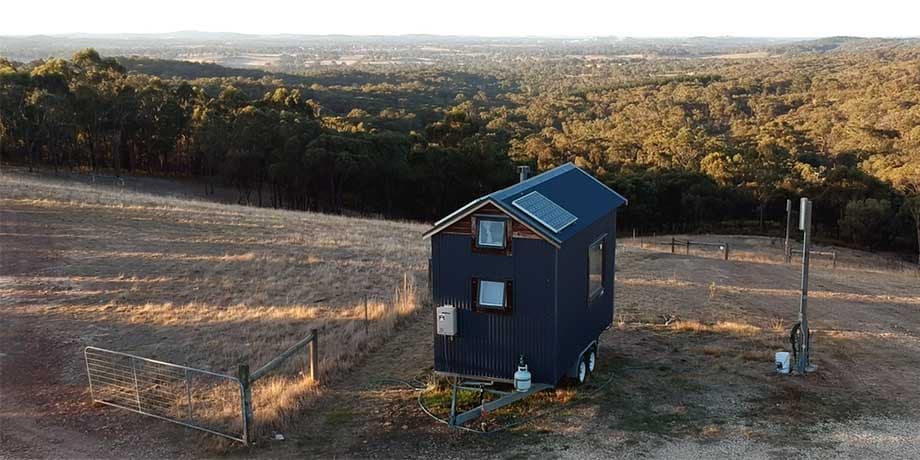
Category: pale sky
<point>637,18</point>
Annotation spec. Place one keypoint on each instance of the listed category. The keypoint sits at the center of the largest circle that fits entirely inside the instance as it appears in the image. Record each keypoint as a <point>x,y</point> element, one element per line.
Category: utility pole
<point>804,344</point>
<point>787,249</point>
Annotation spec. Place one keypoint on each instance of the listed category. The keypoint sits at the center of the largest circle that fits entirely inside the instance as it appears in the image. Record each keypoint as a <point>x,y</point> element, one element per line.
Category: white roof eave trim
<point>475,206</point>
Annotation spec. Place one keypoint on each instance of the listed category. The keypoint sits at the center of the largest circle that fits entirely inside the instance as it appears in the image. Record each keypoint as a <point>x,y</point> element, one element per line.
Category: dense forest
<point>697,144</point>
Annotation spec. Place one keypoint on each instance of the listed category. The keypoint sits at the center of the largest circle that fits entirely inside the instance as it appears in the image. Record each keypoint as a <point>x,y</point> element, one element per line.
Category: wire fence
<point>830,254</point>
<point>833,258</point>
<point>684,245</point>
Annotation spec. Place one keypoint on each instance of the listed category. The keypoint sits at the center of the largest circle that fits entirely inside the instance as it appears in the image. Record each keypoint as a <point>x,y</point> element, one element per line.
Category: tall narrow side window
<point>596,253</point>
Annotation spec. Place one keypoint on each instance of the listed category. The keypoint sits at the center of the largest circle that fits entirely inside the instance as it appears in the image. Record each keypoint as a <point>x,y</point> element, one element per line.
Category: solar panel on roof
<point>545,211</point>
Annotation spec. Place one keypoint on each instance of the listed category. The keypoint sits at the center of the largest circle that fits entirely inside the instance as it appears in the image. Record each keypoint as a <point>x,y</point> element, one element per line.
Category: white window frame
<point>594,295</point>
<point>482,283</point>
<point>504,234</point>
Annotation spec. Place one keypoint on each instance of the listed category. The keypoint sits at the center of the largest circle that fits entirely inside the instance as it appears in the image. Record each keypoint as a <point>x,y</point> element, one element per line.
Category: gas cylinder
<point>522,377</point>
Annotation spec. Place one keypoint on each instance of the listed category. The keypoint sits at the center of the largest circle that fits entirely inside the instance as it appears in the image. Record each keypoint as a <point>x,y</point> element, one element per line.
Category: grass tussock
<point>711,431</point>
<point>778,325</point>
<point>343,342</point>
<point>720,327</point>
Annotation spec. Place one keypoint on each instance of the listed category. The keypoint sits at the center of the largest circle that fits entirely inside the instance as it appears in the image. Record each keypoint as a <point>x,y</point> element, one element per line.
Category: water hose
<point>794,340</point>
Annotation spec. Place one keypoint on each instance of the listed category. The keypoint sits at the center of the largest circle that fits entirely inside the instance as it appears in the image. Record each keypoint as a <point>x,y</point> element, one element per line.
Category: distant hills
<point>292,52</point>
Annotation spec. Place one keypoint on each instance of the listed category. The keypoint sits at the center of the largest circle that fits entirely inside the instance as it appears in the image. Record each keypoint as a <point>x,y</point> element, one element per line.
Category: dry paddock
<point>196,283</point>
<point>685,371</point>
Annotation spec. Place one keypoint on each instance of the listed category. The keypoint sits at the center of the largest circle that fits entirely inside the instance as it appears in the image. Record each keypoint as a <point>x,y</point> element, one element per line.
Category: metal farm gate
<point>191,397</point>
<point>204,400</point>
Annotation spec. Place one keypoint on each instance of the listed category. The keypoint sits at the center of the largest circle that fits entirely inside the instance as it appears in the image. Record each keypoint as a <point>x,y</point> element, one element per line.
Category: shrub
<point>867,222</point>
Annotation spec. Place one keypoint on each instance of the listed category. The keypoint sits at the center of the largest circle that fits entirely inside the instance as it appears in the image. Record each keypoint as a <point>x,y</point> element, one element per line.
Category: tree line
<point>697,145</point>
<point>88,113</point>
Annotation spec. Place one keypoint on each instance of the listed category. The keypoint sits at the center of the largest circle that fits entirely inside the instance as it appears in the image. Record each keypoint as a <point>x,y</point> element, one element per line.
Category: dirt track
<point>44,405</point>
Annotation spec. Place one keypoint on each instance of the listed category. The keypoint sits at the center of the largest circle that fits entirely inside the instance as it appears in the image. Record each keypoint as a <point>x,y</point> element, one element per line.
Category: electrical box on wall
<point>447,320</point>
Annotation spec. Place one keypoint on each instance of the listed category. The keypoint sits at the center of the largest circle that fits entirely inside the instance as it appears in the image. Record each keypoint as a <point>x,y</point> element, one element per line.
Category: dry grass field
<point>206,285</point>
<point>685,371</point>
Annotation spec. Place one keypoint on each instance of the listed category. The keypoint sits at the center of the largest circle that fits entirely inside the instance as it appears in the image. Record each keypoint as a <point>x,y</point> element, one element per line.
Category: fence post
<point>726,251</point>
<point>672,245</point>
<point>365,314</point>
<point>246,386</point>
<point>314,354</point>
<point>688,247</point>
<point>834,258</point>
<point>787,248</point>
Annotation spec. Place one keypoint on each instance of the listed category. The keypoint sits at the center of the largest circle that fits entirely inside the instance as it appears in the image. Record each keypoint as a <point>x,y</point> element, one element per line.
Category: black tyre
<point>581,374</point>
<point>591,359</point>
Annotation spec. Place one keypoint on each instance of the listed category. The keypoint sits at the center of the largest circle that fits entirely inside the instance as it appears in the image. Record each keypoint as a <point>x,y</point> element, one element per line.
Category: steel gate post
<point>89,376</point>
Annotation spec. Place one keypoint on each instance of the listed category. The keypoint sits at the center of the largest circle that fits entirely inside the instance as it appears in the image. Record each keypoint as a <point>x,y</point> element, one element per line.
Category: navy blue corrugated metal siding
<point>488,344</point>
<point>580,323</point>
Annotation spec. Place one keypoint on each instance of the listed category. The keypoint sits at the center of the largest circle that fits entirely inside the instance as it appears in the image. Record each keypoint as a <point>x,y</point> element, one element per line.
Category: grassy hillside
<point>207,285</point>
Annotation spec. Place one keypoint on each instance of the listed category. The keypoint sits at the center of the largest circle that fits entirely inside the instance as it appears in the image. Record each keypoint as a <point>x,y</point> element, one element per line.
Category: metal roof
<point>576,191</point>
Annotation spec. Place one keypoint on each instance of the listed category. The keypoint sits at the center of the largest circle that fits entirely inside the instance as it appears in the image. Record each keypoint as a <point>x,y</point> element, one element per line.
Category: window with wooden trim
<point>492,295</point>
<point>491,232</point>
<point>597,253</point>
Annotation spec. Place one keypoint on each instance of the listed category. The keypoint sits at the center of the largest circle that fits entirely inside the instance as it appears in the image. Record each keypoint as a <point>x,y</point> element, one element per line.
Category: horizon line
<point>396,35</point>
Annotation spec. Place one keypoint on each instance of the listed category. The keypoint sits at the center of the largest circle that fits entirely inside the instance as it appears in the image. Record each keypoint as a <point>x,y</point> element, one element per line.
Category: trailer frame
<point>482,386</point>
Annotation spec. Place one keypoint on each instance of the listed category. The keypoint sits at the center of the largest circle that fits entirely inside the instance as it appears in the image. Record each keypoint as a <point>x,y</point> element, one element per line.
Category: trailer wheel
<point>582,373</point>
<point>591,359</point>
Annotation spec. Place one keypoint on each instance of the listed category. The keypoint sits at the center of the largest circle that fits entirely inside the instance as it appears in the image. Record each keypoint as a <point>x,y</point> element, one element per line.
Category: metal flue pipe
<point>524,172</point>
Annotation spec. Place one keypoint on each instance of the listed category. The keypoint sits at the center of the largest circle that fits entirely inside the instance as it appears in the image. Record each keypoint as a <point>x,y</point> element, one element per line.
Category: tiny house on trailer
<point>527,270</point>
